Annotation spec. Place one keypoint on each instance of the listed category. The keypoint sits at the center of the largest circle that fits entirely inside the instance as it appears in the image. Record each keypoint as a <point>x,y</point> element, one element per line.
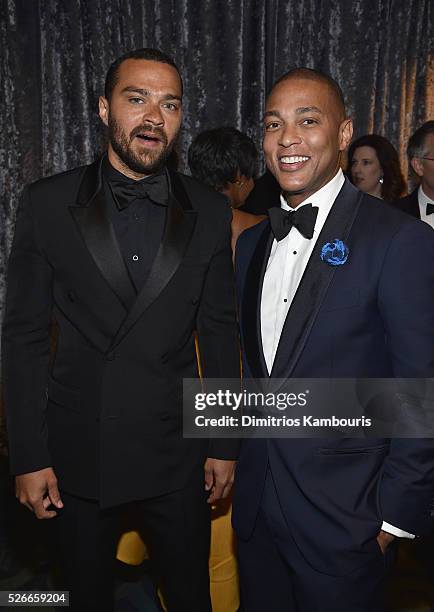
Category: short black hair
<point>315,75</point>
<point>416,144</point>
<point>216,156</point>
<point>147,53</point>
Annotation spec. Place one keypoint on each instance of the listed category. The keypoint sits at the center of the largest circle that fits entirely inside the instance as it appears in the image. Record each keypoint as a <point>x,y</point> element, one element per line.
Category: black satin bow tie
<point>154,188</point>
<point>429,208</point>
<point>301,218</point>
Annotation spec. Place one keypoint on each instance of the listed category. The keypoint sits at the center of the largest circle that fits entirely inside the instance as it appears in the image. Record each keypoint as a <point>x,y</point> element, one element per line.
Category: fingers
<point>209,477</point>
<point>38,506</point>
<point>221,489</point>
<point>54,495</point>
<point>219,477</point>
<point>37,491</point>
<point>40,510</point>
<point>217,492</point>
<point>227,489</point>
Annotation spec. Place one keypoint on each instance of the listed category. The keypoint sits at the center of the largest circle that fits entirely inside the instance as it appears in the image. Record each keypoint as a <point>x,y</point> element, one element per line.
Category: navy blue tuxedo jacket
<point>371,317</point>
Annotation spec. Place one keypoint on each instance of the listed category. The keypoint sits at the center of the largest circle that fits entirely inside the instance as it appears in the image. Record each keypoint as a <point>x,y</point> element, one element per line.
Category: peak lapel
<point>98,234</point>
<point>251,308</point>
<point>180,223</point>
<point>314,283</point>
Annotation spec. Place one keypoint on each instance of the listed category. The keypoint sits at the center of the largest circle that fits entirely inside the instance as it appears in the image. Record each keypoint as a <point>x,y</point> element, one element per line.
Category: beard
<point>148,162</point>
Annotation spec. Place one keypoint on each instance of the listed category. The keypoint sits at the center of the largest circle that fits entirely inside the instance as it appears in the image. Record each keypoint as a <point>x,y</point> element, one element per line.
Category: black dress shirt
<point>139,227</point>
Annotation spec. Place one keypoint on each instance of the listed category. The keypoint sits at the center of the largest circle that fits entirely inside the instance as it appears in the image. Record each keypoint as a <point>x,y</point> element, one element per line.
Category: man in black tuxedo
<point>315,517</point>
<point>130,259</point>
<point>420,152</point>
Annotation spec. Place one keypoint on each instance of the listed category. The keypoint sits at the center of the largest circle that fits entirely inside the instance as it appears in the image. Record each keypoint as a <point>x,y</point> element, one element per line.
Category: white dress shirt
<point>285,268</point>
<point>423,201</point>
<point>286,265</point>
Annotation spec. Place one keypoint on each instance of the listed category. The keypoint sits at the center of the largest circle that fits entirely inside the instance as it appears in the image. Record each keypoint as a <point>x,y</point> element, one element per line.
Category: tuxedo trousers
<point>176,529</point>
<point>274,576</point>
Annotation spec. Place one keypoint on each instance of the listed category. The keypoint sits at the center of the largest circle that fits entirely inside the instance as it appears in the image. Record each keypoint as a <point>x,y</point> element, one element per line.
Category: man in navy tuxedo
<point>315,518</point>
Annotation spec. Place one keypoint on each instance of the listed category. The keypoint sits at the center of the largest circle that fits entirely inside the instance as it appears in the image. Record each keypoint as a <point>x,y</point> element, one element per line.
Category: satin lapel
<point>180,223</point>
<point>314,283</point>
<point>98,234</point>
<point>251,306</point>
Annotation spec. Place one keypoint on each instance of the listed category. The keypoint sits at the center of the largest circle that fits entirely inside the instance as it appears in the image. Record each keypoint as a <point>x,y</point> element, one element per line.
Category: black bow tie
<point>429,208</point>
<point>153,188</point>
<point>302,218</point>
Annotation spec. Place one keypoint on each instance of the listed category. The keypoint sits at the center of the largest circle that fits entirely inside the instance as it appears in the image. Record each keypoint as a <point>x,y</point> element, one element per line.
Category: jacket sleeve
<point>217,326</point>
<point>26,345</point>
<point>406,301</point>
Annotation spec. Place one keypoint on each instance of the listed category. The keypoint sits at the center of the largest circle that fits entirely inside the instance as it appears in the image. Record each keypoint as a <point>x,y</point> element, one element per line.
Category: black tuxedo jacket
<point>107,413</point>
<point>409,204</point>
<point>372,317</point>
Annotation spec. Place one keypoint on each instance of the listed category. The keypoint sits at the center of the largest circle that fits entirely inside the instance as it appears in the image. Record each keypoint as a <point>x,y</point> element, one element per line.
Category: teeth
<point>293,159</point>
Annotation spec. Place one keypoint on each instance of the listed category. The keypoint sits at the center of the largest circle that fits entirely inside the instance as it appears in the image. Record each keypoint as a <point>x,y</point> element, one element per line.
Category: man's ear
<point>417,165</point>
<point>345,133</point>
<point>104,109</point>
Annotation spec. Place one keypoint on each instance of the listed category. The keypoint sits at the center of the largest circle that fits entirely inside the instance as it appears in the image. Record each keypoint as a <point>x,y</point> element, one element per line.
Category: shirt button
<point>285,300</point>
<point>294,252</point>
<point>135,258</point>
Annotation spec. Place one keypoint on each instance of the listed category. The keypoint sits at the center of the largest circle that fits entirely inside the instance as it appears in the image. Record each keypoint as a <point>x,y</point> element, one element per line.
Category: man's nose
<point>289,136</point>
<point>152,114</point>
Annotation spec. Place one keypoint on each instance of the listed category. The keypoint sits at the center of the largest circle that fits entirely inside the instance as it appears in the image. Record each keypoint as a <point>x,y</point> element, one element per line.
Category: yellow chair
<point>222,561</point>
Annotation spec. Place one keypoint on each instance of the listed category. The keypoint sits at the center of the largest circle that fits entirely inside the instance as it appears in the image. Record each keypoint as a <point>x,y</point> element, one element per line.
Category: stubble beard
<point>149,162</point>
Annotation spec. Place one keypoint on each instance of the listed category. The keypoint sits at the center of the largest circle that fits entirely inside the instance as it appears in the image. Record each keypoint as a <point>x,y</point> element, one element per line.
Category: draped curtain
<point>55,53</point>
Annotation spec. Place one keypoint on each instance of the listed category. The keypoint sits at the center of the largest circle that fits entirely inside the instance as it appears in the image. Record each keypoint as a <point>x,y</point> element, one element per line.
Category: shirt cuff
<point>399,533</point>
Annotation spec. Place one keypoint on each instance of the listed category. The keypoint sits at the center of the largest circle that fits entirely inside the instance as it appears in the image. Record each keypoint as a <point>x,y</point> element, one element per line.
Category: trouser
<point>274,576</point>
<point>176,528</point>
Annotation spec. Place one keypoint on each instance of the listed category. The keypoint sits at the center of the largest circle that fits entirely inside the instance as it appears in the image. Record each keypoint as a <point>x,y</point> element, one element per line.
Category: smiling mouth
<point>292,162</point>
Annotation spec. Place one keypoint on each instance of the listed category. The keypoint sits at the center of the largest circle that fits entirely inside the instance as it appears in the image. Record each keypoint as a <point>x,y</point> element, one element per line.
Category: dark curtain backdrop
<point>54,55</point>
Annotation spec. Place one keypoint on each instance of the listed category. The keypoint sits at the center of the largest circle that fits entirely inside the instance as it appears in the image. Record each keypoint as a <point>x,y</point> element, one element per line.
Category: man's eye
<point>310,121</point>
<point>170,106</point>
<point>136,100</point>
<point>272,125</point>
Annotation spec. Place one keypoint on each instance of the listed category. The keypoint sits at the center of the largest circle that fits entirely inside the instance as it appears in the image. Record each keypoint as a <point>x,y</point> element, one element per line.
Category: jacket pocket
<point>363,450</point>
<point>63,396</point>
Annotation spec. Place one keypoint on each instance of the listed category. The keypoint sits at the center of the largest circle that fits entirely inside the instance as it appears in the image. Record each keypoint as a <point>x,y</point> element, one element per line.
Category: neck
<point>295,199</point>
<point>120,166</point>
<point>427,190</point>
<point>376,192</point>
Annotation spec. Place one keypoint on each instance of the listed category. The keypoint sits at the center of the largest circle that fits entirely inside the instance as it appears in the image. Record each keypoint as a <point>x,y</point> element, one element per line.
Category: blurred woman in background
<point>225,159</point>
<point>373,166</point>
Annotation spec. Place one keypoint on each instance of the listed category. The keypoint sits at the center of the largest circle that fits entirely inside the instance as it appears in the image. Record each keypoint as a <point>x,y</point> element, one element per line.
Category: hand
<point>384,539</point>
<point>219,478</point>
<point>37,491</point>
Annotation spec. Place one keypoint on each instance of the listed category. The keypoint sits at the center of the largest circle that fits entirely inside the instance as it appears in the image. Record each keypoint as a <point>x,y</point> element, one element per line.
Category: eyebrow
<point>272,113</point>
<point>308,109</point>
<point>299,111</point>
<point>146,92</point>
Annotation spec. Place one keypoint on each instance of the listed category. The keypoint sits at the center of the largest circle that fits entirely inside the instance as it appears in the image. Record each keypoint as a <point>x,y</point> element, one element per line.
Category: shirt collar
<point>423,199</point>
<point>111,174</point>
<point>323,198</point>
